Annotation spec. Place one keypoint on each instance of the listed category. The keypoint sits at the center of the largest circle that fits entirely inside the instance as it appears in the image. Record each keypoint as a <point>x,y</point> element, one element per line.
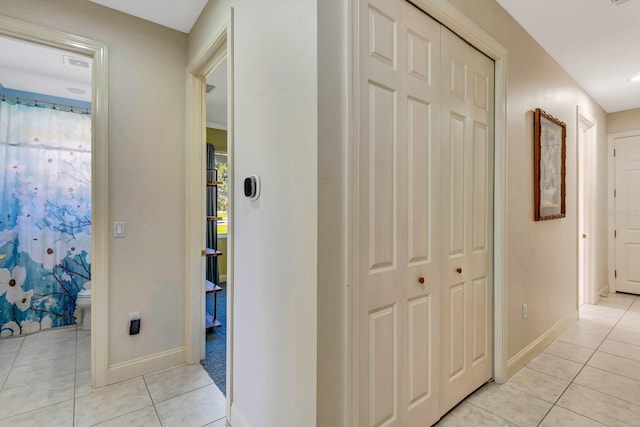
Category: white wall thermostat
<point>252,187</point>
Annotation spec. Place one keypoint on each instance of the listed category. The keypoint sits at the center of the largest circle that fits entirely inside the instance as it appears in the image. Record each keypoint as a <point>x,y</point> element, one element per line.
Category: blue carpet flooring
<point>215,361</point>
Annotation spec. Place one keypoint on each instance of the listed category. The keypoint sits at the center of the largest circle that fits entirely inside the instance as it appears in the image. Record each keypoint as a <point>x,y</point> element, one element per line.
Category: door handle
<point>584,236</point>
<point>459,270</point>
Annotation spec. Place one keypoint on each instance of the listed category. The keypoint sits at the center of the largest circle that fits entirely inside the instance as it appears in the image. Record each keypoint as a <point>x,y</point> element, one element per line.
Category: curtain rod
<point>46,104</point>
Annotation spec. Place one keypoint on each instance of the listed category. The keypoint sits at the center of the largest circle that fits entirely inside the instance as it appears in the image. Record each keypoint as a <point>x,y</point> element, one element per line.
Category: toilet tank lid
<point>84,292</point>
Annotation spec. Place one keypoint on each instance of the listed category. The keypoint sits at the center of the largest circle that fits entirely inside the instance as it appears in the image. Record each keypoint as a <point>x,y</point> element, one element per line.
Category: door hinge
<point>615,193</point>
<point>615,274</point>
<point>614,152</point>
<point>615,234</point>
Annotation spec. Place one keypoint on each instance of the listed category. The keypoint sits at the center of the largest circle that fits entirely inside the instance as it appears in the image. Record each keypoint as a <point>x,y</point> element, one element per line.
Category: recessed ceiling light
<point>76,90</point>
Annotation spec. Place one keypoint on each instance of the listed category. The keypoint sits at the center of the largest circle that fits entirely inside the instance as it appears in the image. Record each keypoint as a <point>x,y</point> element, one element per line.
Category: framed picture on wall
<point>550,166</point>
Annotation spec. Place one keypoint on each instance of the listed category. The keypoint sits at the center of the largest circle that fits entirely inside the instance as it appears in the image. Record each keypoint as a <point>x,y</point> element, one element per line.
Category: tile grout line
<point>585,364</point>
<point>153,402</point>
<point>13,362</point>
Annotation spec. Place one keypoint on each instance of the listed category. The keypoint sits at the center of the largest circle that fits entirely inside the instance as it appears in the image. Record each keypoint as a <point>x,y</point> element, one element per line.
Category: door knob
<point>459,270</point>
<point>584,236</point>
<point>421,280</point>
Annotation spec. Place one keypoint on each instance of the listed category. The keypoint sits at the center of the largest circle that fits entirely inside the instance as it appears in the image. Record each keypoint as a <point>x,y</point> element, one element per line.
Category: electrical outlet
<point>134,323</point>
<point>525,312</point>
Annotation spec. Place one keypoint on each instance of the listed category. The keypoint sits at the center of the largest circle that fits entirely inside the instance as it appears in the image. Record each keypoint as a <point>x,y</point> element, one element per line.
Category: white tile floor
<point>44,381</point>
<point>589,376</point>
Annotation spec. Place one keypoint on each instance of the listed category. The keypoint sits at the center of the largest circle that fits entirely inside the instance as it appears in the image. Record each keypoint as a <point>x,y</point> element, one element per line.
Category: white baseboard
<point>237,419</point>
<point>223,278</point>
<point>604,290</point>
<point>144,365</point>
<point>520,360</point>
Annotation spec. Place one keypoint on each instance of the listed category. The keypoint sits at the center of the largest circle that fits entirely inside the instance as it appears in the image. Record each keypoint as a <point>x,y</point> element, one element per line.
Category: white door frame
<point>611,203</point>
<point>100,235</point>
<point>218,47</point>
<point>452,18</point>
<point>587,177</point>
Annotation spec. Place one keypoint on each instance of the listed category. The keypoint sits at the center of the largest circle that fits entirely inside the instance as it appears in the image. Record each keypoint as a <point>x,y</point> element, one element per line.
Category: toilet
<point>83,300</point>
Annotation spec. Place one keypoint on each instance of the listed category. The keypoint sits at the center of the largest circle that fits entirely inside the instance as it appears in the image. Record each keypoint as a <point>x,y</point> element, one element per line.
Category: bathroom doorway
<point>45,148</point>
<point>58,233</point>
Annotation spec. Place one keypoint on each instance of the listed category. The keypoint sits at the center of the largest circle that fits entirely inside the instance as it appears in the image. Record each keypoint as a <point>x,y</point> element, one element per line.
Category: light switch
<point>118,229</point>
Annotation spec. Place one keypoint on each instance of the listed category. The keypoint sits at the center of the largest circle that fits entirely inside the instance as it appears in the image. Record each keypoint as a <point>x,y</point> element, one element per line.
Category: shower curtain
<point>45,216</point>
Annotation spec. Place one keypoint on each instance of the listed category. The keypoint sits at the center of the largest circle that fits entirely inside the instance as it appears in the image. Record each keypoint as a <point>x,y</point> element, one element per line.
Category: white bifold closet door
<point>424,210</point>
<point>467,219</point>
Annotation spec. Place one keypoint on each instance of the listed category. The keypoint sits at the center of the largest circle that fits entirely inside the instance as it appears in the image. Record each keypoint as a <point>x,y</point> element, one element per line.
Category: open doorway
<point>96,54</point>
<point>217,202</point>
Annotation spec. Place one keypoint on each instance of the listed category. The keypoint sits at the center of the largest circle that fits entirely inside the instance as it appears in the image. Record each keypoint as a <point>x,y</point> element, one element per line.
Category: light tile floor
<point>589,376</point>
<point>45,381</point>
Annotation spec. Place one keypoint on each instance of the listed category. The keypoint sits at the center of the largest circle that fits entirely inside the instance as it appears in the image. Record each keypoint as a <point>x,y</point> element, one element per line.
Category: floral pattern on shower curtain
<point>45,216</point>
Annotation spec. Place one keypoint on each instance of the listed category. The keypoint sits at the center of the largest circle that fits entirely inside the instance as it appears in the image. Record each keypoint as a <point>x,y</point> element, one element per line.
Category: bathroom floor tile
<point>10,345</point>
<point>592,327</point>
<point>616,364</point>
<point>222,422</point>
<point>172,382</point>
<point>467,414</point>
<point>560,417</point>
<point>625,334</point>
<point>26,398</point>
<point>541,385</point>
<point>36,372</point>
<point>580,338</point>
<point>105,403</point>
<point>58,415</point>
<point>622,349</point>
<point>83,383</point>
<point>569,351</point>
<point>46,349</point>
<point>511,404</point>
<point>600,407</point>
<point>556,366</point>
<point>83,361</point>
<point>195,408</point>
<point>145,417</point>
<point>612,384</point>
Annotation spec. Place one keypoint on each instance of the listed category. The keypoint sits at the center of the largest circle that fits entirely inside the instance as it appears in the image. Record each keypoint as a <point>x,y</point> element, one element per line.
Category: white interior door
<point>399,294</point>
<point>627,213</point>
<point>467,219</point>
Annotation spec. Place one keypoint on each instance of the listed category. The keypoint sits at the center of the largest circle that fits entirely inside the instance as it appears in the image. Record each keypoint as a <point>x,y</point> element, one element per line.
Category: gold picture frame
<point>550,167</point>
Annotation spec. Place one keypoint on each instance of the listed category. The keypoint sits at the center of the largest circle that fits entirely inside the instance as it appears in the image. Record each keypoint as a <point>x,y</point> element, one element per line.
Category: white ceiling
<point>596,42</point>
<point>177,14</point>
<point>36,68</point>
<point>217,98</point>
<point>593,40</point>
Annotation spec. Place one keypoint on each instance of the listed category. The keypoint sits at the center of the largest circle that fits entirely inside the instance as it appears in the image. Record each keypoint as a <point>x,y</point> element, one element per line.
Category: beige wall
<point>624,121</point>
<point>332,211</point>
<point>146,167</point>
<point>541,256</point>
<point>275,238</point>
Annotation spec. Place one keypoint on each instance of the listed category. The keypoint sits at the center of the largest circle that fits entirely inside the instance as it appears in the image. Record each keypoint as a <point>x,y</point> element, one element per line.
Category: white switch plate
<point>118,229</point>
